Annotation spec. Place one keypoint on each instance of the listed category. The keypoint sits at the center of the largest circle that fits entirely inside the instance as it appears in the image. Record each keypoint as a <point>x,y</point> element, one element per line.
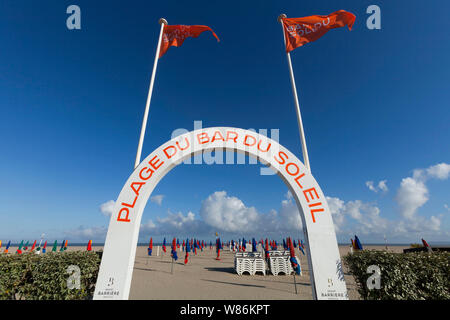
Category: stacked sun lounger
<point>259,265</point>
<point>250,262</point>
<point>279,262</point>
<point>249,254</point>
<point>279,253</point>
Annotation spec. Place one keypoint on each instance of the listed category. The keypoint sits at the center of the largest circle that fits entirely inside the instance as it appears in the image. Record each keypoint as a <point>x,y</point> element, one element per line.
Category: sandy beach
<point>205,278</point>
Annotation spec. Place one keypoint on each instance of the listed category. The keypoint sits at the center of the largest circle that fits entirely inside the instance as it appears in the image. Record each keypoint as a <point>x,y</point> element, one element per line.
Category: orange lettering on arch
<point>140,184</point>
<point>154,162</point>
<point>219,134</point>
<point>130,205</point>
<point>119,216</point>
<point>298,178</point>
<point>171,155</point>
<point>148,170</point>
<point>312,214</point>
<point>203,138</point>
<point>315,210</point>
<point>297,169</point>
<point>245,140</point>
<point>310,192</point>
<point>187,145</point>
<point>235,136</point>
<point>259,146</point>
<point>282,161</point>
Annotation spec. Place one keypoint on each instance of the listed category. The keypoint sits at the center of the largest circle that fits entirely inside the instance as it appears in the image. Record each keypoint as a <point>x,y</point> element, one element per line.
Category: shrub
<point>416,276</point>
<point>43,277</point>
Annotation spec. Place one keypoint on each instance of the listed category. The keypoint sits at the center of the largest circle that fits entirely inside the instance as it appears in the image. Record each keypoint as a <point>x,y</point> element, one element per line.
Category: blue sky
<point>374,105</point>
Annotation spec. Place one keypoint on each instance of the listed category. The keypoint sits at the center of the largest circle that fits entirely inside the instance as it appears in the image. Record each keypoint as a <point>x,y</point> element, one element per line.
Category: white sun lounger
<point>282,264</point>
<point>250,265</point>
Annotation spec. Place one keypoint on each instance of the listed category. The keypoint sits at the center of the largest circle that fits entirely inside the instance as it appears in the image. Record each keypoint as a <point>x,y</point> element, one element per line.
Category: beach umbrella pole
<point>295,284</point>
<point>171,268</point>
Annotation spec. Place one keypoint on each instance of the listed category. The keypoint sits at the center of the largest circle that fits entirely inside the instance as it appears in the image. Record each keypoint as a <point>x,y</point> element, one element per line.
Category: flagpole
<point>297,106</point>
<point>162,22</point>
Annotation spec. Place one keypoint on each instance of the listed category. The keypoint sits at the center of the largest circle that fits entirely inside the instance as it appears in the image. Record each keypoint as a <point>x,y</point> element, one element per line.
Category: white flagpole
<point>297,106</point>
<point>162,22</point>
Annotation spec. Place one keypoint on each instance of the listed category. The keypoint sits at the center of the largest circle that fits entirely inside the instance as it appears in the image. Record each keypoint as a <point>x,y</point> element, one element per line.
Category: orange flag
<point>298,31</point>
<point>175,35</point>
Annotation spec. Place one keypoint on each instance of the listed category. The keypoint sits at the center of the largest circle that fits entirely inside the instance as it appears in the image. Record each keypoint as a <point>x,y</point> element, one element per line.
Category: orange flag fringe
<point>298,31</point>
<point>176,34</point>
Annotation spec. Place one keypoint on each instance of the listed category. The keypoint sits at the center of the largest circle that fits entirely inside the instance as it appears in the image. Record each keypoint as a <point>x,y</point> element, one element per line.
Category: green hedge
<point>44,277</point>
<point>412,276</point>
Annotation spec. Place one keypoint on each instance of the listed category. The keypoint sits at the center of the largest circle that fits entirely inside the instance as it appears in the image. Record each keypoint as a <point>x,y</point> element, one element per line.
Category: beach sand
<point>205,278</point>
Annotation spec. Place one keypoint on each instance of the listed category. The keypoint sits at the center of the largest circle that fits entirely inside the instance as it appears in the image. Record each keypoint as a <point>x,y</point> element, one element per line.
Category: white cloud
<point>228,213</point>
<point>356,216</point>
<point>353,209</point>
<point>435,223</point>
<point>418,225</point>
<point>157,199</point>
<point>411,195</point>
<point>369,184</point>
<point>107,208</point>
<point>413,192</point>
<point>365,218</point>
<point>177,220</point>
<point>86,233</point>
<point>175,224</point>
<point>370,219</point>
<point>337,208</point>
<point>289,217</point>
<point>150,225</point>
<point>440,171</point>
<point>288,195</point>
<point>382,186</point>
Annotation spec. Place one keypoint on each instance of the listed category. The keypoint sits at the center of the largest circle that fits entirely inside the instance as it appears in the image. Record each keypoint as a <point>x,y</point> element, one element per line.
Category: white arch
<point>116,268</point>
